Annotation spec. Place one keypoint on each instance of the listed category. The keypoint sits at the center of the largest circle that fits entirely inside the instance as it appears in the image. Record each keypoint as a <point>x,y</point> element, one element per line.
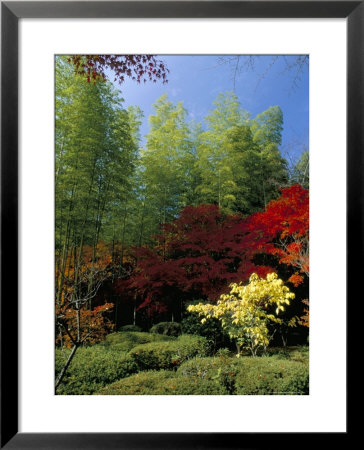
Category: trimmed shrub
<point>162,383</point>
<point>298,354</point>
<point>270,376</point>
<point>188,346</point>
<point>250,376</point>
<point>221,370</point>
<point>153,356</point>
<point>206,368</point>
<point>301,354</point>
<point>91,369</point>
<point>125,341</point>
<point>167,328</point>
<point>130,328</point>
<point>168,355</point>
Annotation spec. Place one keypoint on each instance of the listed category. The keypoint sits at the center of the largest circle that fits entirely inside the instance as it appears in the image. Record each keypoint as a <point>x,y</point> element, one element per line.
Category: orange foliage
<point>305,319</point>
<point>81,279</point>
<point>296,279</point>
<point>94,325</point>
<point>283,228</point>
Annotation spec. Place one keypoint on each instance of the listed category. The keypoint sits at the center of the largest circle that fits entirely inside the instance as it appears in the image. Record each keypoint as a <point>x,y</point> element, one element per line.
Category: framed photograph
<point>162,166</point>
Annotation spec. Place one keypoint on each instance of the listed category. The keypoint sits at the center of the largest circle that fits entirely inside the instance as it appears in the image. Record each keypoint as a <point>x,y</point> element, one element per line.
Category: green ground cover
<point>139,363</point>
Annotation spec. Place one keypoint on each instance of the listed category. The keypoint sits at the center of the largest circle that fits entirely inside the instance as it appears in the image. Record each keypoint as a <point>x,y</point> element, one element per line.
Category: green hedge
<point>206,368</point>
<point>270,376</point>
<point>162,383</point>
<point>221,370</point>
<point>91,369</point>
<point>298,353</point>
<point>167,355</point>
<point>124,354</point>
<point>251,376</point>
<point>125,341</point>
<point>96,366</point>
<point>167,328</point>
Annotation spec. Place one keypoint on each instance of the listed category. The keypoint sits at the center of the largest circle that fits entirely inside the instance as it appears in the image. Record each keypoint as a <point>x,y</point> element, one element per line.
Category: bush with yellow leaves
<point>244,312</point>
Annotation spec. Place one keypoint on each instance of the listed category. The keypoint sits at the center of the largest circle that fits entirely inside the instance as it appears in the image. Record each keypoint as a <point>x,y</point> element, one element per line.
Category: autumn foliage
<point>244,312</point>
<point>95,325</point>
<point>78,319</point>
<point>198,254</point>
<point>283,230</point>
<point>137,67</point>
<point>204,250</point>
<point>305,318</point>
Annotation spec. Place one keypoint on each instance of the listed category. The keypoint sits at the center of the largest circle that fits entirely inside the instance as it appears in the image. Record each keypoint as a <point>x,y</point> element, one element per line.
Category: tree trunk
<point>238,346</point>
<point>141,226</point>
<point>65,367</point>
<point>122,240</point>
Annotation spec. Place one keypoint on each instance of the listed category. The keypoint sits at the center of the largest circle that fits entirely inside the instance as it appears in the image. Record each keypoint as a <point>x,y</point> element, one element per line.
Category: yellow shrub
<point>244,311</point>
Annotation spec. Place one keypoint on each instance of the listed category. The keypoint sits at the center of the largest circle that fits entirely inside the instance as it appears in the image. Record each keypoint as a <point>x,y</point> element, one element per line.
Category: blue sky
<point>197,80</point>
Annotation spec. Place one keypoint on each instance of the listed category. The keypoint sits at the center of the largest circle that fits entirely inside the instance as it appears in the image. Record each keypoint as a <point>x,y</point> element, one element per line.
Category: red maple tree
<point>283,230</point>
<point>197,255</point>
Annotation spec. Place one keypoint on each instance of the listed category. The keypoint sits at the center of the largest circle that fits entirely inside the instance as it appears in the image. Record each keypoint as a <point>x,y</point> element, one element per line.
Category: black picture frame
<point>11,12</point>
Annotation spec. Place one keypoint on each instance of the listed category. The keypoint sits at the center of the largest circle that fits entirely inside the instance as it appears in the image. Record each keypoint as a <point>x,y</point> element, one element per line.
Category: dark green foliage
<point>130,328</point>
<point>110,368</point>
<point>188,346</point>
<point>224,352</point>
<point>270,376</point>
<point>167,355</point>
<point>250,376</point>
<point>163,383</point>
<point>91,369</point>
<point>299,353</point>
<point>221,370</point>
<point>125,341</point>
<point>204,367</point>
<point>278,353</point>
<point>167,328</point>
<point>303,349</point>
<point>211,330</point>
<point>153,356</point>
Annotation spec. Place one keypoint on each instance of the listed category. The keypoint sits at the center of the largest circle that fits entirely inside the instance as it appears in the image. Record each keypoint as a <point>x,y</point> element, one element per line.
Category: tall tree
<point>215,163</point>
<point>245,157</point>
<point>267,134</point>
<point>166,163</point>
<point>95,159</point>
<point>239,162</point>
<point>301,173</point>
